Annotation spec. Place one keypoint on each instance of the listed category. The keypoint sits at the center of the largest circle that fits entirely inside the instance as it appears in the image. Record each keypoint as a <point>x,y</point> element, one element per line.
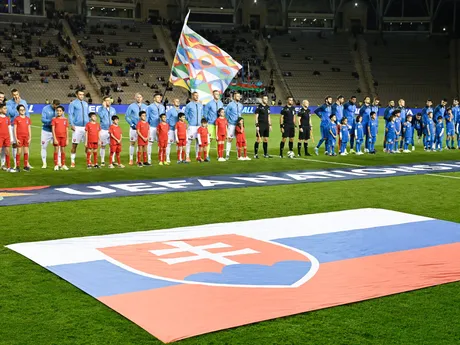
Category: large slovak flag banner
<point>182,282</point>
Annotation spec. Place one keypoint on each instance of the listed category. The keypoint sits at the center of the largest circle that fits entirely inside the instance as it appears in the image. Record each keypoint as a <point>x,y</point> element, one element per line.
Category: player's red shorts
<point>62,142</point>
<point>115,148</point>
<point>204,144</point>
<point>141,142</point>
<point>23,141</point>
<point>5,142</point>
<point>241,143</point>
<point>163,143</point>
<point>221,137</point>
<point>93,146</point>
<point>182,142</point>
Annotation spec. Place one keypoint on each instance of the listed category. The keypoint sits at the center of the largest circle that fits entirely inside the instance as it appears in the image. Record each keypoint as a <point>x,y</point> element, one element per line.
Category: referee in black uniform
<point>287,125</point>
<point>263,127</point>
<point>305,128</point>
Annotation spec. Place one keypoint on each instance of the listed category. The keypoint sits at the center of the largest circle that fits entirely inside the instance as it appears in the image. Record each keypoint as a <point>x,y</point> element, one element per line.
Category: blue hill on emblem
<point>282,273</point>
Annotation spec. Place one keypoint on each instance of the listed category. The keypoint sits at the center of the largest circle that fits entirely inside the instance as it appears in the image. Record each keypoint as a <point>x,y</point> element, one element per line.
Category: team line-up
<point>204,123</point>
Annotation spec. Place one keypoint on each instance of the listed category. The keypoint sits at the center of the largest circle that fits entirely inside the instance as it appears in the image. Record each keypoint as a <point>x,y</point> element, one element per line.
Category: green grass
<point>37,307</point>
<point>80,174</point>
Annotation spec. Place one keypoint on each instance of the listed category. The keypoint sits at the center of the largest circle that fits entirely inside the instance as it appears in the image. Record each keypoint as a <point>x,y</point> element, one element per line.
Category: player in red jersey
<point>23,135</point>
<point>221,124</point>
<point>143,130</point>
<point>5,140</point>
<point>115,142</point>
<point>181,137</point>
<point>92,140</point>
<point>241,140</point>
<point>59,126</point>
<point>203,140</point>
<point>162,135</point>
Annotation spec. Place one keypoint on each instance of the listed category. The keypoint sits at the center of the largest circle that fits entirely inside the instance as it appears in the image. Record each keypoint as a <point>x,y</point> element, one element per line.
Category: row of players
<point>399,126</point>
<point>195,111</point>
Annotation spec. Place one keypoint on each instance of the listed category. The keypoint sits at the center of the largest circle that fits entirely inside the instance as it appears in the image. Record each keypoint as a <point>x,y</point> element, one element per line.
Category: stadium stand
<point>410,66</point>
<point>125,66</point>
<point>35,59</point>
<point>316,64</point>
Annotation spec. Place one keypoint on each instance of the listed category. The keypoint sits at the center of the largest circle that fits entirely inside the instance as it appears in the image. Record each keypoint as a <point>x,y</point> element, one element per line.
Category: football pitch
<point>37,307</point>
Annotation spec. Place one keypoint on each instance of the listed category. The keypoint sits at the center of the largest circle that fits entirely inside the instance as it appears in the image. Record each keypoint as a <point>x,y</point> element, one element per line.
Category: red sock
<point>239,152</point>
<point>7,161</point>
<point>18,160</point>
<point>88,157</point>
<point>205,154</point>
<point>26,160</point>
<point>245,151</point>
<point>55,158</point>
<point>221,150</point>
<point>179,154</point>
<point>62,157</point>
<point>95,157</point>
<point>111,158</point>
<point>145,157</point>
<point>138,156</point>
<point>118,158</point>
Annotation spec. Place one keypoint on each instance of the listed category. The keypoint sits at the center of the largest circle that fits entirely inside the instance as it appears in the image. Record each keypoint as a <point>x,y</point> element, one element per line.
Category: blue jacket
<point>194,113</point>
<point>48,113</point>
<point>132,113</point>
<point>365,112</point>
<point>337,110</point>
<point>78,113</point>
<point>439,111</point>
<point>172,116</point>
<point>359,131</point>
<point>233,111</point>
<point>11,109</point>
<point>425,112</point>
<point>408,130</point>
<point>373,125</point>
<point>375,108</point>
<point>154,111</point>
<point>388,112</point>
<point>403,113</point>
<point>210,111</point>
<point>323,113</point>
<point>349,110</point>
<point>105,117</point>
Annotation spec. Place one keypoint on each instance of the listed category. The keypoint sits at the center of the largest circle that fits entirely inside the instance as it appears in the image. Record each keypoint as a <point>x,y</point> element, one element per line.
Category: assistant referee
<point>263,127</point>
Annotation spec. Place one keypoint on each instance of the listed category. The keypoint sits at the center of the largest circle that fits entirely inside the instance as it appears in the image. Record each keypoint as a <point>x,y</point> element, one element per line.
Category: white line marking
<point>445,176</point>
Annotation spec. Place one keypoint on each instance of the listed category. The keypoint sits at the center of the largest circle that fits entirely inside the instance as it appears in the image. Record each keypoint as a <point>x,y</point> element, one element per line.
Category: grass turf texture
<point>81,175</point>
<point>37,307</point>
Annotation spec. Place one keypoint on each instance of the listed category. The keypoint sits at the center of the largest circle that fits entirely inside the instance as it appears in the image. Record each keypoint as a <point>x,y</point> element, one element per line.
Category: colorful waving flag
<point>201,66</point>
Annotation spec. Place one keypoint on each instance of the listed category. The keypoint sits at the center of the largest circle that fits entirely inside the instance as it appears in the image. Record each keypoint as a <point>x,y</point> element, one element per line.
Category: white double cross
<point>201,253</point>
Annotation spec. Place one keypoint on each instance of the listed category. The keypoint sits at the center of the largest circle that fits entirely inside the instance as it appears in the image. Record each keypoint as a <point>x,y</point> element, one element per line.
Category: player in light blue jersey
<point>48,114</point>
<point>398,129</point>
<point>450,129</point>
<point>332,136</point>
<point>402,115</point>
<point>78,118</point>
<point>132,118</point>
<point>386,115</point>
<point>365,112</point>
<point>439,133</point>
<point>344,136</point>
<point>390,135</point>
<point>359,134</point>
<point>427,109</point>
<point>210,114</point>
<point>12,113</point>
<point>337,108</point>
<point>105,113</point>
<point>430,132</point>
<point>233,112</point>
<point>172,116</point>
<point>193,114</point>
<point>154,111</point>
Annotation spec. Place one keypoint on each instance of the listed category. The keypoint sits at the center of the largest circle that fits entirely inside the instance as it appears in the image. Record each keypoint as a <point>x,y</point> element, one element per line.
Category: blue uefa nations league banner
<point>36,108</point>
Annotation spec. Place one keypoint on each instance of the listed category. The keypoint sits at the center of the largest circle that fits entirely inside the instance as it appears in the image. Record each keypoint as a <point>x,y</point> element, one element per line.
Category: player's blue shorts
<point>450,132</point>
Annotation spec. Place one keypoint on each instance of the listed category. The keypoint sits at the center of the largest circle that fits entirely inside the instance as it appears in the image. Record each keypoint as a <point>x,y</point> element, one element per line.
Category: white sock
<point>3,157</point>
<point>228,148</point>
<point>15,151</point>
<point>168,153</point>
<point>72,157</point>
<point>44,153</point>
<point>102,153</point>
<point>131,152</point>
<point>149,152</point>
<point>187,148</point>
<point>197,149</point>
